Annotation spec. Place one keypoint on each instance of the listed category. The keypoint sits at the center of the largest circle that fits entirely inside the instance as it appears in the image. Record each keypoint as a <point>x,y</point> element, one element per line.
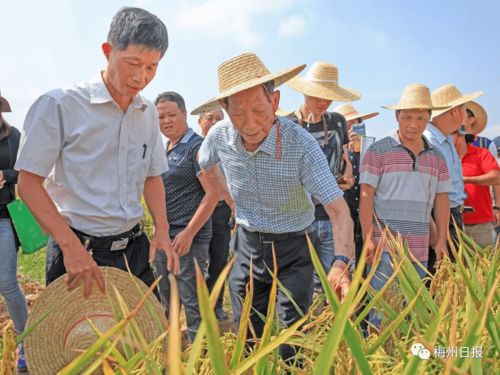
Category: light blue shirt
<point>272,194</point>
<point>94,156</point>
<point>447,148</point>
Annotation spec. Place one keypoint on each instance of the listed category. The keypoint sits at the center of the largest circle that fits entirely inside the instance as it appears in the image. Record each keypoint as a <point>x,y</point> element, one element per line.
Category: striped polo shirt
<point>406,185</point>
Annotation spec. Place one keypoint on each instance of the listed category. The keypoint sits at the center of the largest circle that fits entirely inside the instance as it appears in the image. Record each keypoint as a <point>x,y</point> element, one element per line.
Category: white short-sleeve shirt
<point>95,157</point>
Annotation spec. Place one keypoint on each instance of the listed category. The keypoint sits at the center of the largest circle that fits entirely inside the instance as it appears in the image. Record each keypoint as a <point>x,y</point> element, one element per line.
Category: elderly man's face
<point>412,124</point>
<point>252,113</point>
<point>209,119</point>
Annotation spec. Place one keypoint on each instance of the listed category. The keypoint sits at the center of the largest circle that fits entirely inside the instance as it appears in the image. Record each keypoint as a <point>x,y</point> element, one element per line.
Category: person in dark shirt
<point>191,199</point>
<point>9,287</point>
<point>351,195</point>
<point>320,88</point>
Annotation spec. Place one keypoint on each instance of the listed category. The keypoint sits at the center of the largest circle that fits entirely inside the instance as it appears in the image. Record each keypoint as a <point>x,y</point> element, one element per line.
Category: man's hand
<point>80,266</point>
<point>338,277</point>
<point>161,241</point>
<point>182,243</point>
<point>370,246</point>
<point>441,250</point>
<point>354,141</point>
<point>2,179</point>
<point>347,182</point>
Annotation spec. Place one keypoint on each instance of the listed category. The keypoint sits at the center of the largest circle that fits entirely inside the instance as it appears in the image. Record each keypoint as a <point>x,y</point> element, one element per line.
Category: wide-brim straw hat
<point>4,104</point>
<point>350,113</point>
<point>243,72</point>
<point>66,331</point>
<point>322,81</point>
<point>415,96</point>
<point>451,97</point>
<point>480,117</point>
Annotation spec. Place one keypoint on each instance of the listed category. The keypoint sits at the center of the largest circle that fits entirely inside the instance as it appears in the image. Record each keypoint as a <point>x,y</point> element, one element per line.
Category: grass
<point>32,266</point>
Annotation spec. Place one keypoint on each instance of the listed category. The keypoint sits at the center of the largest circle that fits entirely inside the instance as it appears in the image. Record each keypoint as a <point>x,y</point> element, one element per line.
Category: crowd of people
<point>88,153</point>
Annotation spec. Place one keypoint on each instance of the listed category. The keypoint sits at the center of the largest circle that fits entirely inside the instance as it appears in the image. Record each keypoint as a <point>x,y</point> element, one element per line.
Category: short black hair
<point>172,96</point>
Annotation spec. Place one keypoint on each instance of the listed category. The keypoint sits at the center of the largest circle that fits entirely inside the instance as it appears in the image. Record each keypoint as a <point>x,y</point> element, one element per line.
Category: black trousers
<point>218,250</point>
<point>136,255</point>
<point>295,272</point>
<point>455,217</point>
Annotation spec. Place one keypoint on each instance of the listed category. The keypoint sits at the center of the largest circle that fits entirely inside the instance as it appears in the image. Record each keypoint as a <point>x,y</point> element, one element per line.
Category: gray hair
<point>138,26</point>
<point>171,96</point>
<point>202,115</point>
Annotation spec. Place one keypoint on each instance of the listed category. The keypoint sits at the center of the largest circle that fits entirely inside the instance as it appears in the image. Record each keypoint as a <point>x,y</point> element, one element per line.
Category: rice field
<point>450,326</point>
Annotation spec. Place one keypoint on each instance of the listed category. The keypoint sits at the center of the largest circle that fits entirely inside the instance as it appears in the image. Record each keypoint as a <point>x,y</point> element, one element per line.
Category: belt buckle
<point>119,244</point>
<point>262,238</point>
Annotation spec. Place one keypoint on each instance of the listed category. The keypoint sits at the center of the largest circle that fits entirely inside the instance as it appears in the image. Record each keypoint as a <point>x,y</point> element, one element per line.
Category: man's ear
<point>275,97</point>
<point>106,49</point>
<point>223,104</point>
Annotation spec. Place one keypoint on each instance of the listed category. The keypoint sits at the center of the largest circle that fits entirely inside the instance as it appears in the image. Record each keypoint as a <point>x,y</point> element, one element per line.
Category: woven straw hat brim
<point>401,107</point>
<point>480,116</point>
<point>44,347</point>
<point>278,78</point>
<point>363,117</point>
<point>4,105</point>
<point>283,112</point>
<point>309,88</point>
<point>455,103</point>
<point>207,107</point>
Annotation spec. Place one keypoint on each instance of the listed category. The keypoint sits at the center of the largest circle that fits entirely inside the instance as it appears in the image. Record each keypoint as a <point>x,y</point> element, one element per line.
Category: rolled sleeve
<point>42,137</point>
<point>371,168</point>
<point>208,155</point>
<point>316,176</point>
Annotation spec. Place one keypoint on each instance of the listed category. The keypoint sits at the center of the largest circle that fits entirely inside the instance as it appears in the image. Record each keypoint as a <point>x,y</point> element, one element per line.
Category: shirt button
<point>356,198</point>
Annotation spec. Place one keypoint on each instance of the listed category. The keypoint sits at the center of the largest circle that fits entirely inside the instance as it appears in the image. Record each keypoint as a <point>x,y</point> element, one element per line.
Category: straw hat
<point>244,72</point>
<point>350,113</point>
<point>415,96</point>
<point>4,104</point>
<point>480,117</point>
<point>65,332</point>
<point>322,81</point>
<point>451,97</point>
<point>283,112</point>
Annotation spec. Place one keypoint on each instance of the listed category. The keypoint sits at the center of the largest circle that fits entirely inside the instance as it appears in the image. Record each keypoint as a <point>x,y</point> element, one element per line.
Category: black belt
<point>113,243</point>
<point>457,209</point>
<point>274,237</point>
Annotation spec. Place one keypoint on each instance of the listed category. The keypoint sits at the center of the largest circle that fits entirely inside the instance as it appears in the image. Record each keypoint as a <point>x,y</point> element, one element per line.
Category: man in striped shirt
<point>403,178</point>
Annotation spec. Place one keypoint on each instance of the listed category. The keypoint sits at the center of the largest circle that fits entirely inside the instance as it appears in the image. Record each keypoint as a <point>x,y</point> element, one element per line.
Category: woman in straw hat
<point>351,195</point>
<point>403,178</point>
<point>444,122</point>
<point>273,167</point>
<point>9,286</point>
<point>320,88</point>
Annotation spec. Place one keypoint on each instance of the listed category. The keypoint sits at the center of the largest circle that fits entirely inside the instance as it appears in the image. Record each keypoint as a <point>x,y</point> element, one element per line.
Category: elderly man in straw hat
<point>356,129</point>
<point>320,88</point>
<point>438,132</point>
<point>403,177</point>
<point>272,167</point>
<point>88,154</point>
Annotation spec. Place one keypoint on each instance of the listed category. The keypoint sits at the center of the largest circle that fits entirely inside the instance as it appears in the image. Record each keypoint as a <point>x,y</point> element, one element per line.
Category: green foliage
<point>460,309</point>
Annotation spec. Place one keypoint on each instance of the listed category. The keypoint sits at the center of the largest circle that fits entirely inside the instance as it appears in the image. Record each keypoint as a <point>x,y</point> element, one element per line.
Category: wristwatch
<point>496,208</point>
<point>343,258</point>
